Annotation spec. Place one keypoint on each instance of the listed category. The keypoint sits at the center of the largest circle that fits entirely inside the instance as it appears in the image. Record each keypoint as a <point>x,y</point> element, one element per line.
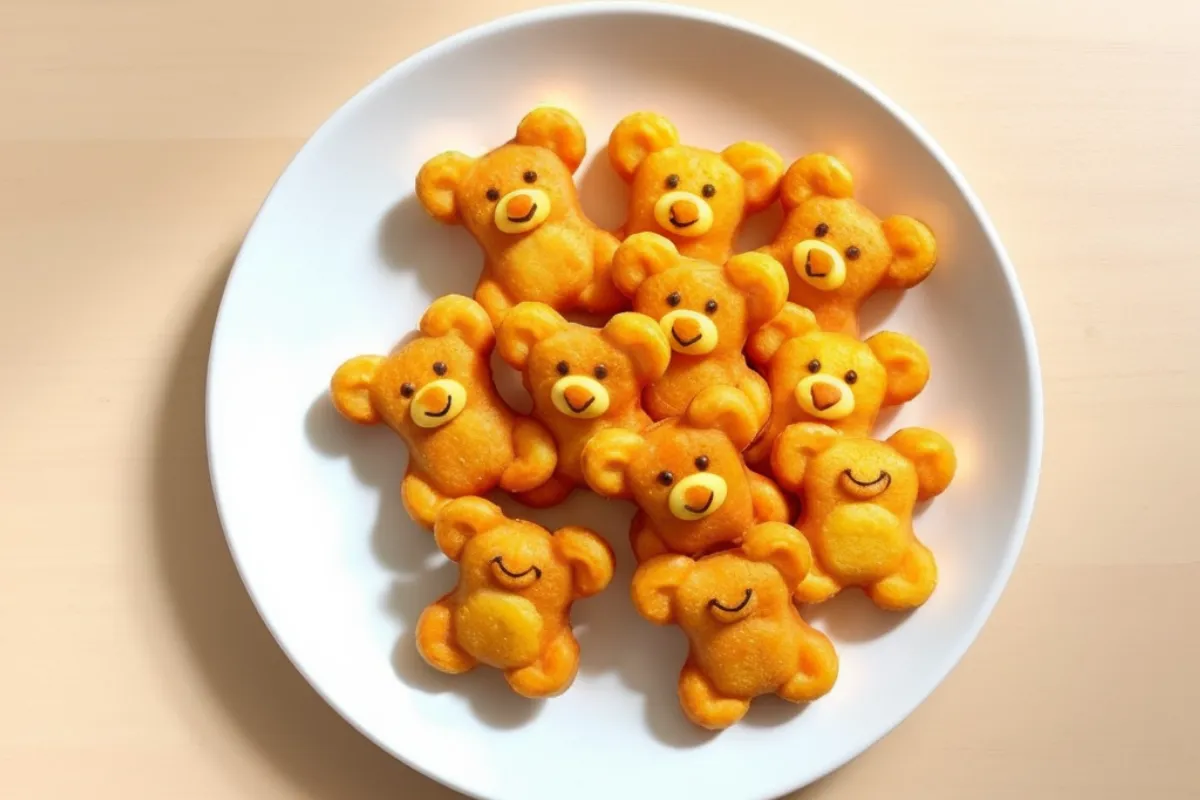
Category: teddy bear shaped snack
<point>582,380</point>
<point>436,392</point>
<point>520,203</point>
<point>745,636</point>
<point>858,496</point>
<point>511,608</point>
<point>687,477</point>
<point>695,197</point>
<point>706,311</point>
<point>831,378</point>
<point>836,251</point>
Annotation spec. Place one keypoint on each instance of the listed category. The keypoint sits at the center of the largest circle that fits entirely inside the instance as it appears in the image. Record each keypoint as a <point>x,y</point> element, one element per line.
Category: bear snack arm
<point>520,203</point>
<point>436,392</point>
<point>511,608</point>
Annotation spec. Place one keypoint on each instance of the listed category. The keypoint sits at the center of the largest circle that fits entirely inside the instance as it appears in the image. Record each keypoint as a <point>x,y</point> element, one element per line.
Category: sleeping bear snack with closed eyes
<point>745,636</point>
<point>858,496</point>
<point>436,392</point>
<point>836,251</point>
<point>511,608</point>
<point>520,203</point>
<point>686,475</point>
<point>582,380</point>
<point>831,378</point>
<point>697,198</point>
<point>706,311</point>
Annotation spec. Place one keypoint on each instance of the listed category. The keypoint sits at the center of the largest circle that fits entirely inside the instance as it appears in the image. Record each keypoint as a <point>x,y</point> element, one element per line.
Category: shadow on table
<point>245,671</point>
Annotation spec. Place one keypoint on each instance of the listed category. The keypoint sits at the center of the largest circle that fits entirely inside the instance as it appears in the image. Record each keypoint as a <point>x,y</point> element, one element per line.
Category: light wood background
<point>137,138</point>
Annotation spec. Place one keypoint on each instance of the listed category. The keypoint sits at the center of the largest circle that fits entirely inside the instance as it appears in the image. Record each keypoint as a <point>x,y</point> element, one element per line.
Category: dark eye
<point>563,368</point>
<point>530,176</point>
<point>852,252</point>
<point>709,190</point>
<point>672,181</point>
<point>601,372</point>
<point>407,389</point>
<point>666,478</point>
<point>673,299</point>
<point>814,366</point>
<point>821,230</point>
<point>851,377</point>
<point>439,367</point>
<point>702,463</point>
<point>711,306</point>
<point>493,195</point>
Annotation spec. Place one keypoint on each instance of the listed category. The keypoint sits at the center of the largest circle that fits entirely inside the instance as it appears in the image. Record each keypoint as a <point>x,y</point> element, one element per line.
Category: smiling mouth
<point>499,562</point>
<point>679,224</point>
<point>583,407</point>
<point>808,270</point>
<point>715,603</point>
<point>444,411</point>
<point>702,509</point>
<point>867,489</point>
<point>527,217</point>
<point>690,341</point>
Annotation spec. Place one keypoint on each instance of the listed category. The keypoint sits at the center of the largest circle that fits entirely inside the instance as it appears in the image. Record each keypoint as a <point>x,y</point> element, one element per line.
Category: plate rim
<point>500,25</point>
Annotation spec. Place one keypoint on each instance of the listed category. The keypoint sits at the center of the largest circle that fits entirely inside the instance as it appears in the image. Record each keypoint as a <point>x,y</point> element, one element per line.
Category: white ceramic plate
<point>342,261</point>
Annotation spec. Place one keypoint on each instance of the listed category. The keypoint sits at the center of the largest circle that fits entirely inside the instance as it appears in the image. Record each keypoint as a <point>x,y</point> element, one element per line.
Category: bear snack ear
<point>761,169</point>
<point>640,338</point>
<point>639,257</point>
<point>606,459</point>
<point>437,182</point>
<point>914,251</point>
<point>461,519</point>
<point>764,283</point>
<point>556,130</point>
<point>637,136</point>
<point>906,363</point>
<point>654,585</point>
<point>931,454</point>
<point>590,557</point>
<point>794,447</point>
<point>815,174</point>
<point>726,409</point>
<point>351,389</point>
<point>781,546</point>
<point>523,327</point>
<point>462,316</point>
<point>792,321</point>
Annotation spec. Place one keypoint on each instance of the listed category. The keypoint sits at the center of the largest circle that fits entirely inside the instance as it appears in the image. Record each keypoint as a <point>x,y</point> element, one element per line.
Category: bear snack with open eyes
<point>437,393</point>
<point>511,608</point>
<point>697,198</point>
<point>836,251</point>
<point>520,203</point>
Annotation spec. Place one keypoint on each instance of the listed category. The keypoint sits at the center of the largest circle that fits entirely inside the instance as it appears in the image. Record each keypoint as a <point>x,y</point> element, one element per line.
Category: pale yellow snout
<point>825,397</point>
<point>579,396</point>
<point>683,214</point>
<point>819,265</point>
<point>438,402</point>
<point>689,332</point>
<point>697,496</point>
<point>522,210</point>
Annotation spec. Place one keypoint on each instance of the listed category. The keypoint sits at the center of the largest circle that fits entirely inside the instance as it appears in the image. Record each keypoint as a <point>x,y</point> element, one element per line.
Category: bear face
<point>836,251</point>
<point>686,476</point>
<point>706,311</point>
<point>436,392</point>
<point>520,203</point>
<point>695,197</point>
<point>582,379</point>
<point>746,637</point>
<point>511,606</point>
<point>832,378</point>
<point>858,496</point>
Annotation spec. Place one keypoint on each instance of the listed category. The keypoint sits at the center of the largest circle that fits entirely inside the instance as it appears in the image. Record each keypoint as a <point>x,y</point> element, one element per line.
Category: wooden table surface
<point>137,139</point>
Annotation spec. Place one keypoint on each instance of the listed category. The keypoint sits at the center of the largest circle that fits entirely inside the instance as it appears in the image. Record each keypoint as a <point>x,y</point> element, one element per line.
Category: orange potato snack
<point>746,637</point>
<point>583,380</point>
<point>831,378</point>
<point>437,393</point>
<point>520,203</point>
<point>686,475</point>
<point>511,608</point>
<point>695,197</point>
<point>836,251</point>
<point>706,311</point>
<point>858,496</point>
